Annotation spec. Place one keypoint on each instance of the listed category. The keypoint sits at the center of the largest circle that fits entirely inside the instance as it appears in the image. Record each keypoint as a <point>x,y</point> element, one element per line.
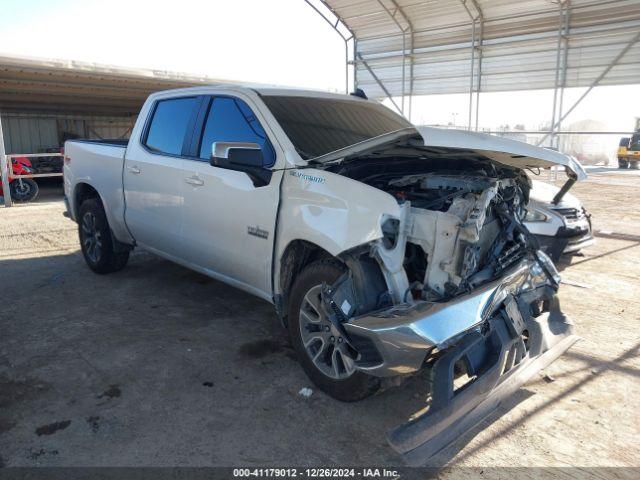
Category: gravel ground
<point>157,365</point>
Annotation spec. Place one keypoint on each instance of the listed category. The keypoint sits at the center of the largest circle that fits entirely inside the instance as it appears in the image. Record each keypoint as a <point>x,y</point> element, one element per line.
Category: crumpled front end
<point>499,358</point>
<point>479,348</point>
<point>467,292</point>
<point>403,336</point>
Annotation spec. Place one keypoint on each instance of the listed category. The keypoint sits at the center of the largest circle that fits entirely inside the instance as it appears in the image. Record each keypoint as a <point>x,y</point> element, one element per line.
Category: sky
<point>282,42</point>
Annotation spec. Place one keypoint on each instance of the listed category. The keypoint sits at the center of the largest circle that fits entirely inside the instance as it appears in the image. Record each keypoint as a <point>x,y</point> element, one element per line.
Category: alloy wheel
<point>322,341</point>
<point>91,237</point>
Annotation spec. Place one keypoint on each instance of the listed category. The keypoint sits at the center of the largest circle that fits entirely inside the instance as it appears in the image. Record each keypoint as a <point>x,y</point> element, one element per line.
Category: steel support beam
<point>566,132</point>
<point>4,167</point>
<point>476,51</point>
<point>403,31</point>
<point>379,82</point>
<point>594,84</point>
<point>411,46</point>
<point>471,73</point>
<point>561,67</point>
<point>334,23</point>
<point>479,73</point>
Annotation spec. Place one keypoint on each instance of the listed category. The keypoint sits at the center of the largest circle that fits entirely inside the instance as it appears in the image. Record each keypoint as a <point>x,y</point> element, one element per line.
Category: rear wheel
<point>96,241</point>
<point>633,165</point>
<point>325,356</point>
<point>23,190</point>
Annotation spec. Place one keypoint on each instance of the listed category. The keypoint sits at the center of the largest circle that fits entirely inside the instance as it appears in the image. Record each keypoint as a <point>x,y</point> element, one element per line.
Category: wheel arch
<point>364,271</point>
<point>296,256</point>
<point>81,192</point>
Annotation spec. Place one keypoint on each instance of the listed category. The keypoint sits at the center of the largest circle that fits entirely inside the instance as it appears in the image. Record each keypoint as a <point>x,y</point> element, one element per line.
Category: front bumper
<point>566,241</point>
<point>500,359</point>
<point>499,335</point>
<point>396,341</point>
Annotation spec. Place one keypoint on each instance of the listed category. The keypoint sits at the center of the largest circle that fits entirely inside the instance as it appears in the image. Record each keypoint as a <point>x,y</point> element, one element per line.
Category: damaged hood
<point>501,150</point>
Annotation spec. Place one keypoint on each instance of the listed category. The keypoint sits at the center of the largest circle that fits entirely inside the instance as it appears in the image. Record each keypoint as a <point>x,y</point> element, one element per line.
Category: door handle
<point>195,181</point>
<point>134,169</point>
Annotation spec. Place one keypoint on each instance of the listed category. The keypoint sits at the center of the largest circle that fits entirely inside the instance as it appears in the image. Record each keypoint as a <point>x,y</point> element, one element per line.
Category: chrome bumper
<point>403,335</point>
<point>501,362</point>
<point>577,245</point>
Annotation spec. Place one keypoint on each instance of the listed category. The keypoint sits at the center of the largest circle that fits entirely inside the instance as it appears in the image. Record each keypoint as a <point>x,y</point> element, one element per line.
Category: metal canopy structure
<point>71,87</point>
<point>41,87</point>
<point>403,48</point>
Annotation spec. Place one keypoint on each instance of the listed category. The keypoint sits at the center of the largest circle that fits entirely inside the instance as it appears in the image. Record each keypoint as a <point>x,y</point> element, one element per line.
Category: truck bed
<point>113,142</point>
<point>98,163</point>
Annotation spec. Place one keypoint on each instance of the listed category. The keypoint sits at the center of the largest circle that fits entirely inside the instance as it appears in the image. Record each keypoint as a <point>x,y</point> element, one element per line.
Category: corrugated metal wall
<point>34,134</point>
<point>109,127</point>
<point>29,135</point>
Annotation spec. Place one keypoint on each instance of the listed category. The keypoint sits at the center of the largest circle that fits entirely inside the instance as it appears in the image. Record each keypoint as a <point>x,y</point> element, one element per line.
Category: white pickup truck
<point>385,251</point>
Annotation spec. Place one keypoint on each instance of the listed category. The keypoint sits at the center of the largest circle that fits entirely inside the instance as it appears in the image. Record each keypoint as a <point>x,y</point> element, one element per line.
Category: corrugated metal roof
<point>61,86</point>
<point>520,39</point>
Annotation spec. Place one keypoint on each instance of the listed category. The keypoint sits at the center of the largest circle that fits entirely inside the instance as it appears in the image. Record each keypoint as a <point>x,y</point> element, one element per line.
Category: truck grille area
<point>572,214</point>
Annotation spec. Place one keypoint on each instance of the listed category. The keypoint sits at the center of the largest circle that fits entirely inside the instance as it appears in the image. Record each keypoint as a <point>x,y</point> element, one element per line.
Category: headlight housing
<point>534,216</point>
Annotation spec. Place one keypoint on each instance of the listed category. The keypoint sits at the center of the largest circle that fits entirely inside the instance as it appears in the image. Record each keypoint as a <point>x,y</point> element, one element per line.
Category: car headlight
<point>534,216</point>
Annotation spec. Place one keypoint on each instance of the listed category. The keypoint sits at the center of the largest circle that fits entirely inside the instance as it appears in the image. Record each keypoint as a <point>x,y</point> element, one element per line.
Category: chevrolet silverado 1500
<point>385,251</point>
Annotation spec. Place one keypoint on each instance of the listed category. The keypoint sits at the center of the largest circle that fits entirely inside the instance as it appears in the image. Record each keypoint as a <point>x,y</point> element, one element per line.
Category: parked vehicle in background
<point>21,189</point>
<point>385,250</point>
<point>562,226</point>
<point>629,152</point>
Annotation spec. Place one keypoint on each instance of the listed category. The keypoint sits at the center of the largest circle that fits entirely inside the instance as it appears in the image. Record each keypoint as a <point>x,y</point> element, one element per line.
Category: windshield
<point>317,126</point>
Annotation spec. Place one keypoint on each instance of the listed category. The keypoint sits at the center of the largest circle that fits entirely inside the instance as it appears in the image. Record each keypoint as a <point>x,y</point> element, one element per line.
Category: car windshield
<point>317,126</point>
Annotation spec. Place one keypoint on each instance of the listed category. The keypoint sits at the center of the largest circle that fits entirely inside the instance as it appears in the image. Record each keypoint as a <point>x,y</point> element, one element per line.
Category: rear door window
<point>232,120</point>
<point>169,125</point>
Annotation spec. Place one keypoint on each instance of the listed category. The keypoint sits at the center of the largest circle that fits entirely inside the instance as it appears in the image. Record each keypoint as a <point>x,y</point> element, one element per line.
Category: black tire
<point>634,165</point>
<point>357,386</point>
<point>23,190</point>
<point>99,255</point>
<point>622,163</point>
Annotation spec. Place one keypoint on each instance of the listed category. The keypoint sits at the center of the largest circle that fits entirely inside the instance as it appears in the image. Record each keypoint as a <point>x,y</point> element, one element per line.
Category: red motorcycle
<point>21,189</point>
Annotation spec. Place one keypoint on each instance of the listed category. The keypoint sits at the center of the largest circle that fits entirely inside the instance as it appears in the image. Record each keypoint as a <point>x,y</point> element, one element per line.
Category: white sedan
<point>560,228</point>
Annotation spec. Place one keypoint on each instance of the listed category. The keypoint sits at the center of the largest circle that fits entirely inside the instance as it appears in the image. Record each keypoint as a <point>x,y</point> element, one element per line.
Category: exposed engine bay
<point>455,285</point>
<point>460,224</point>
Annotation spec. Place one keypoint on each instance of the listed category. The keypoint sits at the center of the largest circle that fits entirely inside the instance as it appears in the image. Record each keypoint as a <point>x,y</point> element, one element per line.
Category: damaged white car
<point>386,251</point>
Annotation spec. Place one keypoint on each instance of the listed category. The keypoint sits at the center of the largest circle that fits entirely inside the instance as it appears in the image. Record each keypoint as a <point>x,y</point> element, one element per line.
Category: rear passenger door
<point>153,176</point>
<point>229,223</point>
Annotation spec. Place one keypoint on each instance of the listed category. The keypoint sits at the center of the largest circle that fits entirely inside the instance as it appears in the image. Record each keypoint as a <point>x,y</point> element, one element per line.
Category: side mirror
<point>243,157</point>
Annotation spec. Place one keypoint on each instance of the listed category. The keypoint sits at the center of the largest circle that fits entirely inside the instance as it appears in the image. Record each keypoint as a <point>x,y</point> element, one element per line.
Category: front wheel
<point>96,240</point>
<point>325,356</point>
<point>633,165</point>
<point>622,163</point>
<point>23,190</point>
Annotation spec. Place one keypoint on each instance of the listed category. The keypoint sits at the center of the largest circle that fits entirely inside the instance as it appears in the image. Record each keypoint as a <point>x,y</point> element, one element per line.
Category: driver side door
<point>229,223</point>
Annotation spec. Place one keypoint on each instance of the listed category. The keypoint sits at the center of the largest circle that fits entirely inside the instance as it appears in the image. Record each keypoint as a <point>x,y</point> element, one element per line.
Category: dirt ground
<point>157,365</point>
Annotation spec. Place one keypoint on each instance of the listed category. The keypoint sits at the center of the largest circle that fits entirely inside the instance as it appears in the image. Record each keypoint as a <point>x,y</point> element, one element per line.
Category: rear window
<point>169,125</point>
<point>317,126</point>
